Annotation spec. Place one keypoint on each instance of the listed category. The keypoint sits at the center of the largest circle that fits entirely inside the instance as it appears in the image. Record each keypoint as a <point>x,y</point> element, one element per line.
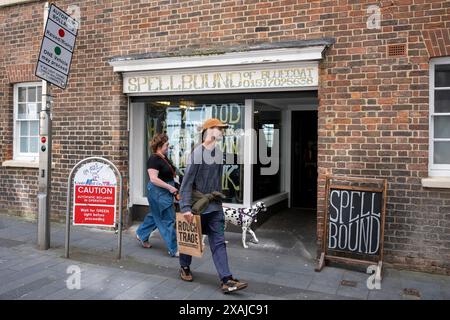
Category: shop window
<point>181,119</point>
<point>27,105</point>
<point>440,117</point>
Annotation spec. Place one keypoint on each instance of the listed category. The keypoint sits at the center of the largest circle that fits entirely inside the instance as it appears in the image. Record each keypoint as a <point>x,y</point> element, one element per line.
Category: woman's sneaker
<point>173,255</point>
<point>185,274</point>
<point>233,285</point>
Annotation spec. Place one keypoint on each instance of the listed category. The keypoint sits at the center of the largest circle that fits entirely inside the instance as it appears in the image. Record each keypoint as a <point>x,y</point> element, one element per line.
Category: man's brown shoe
<point>233,285</point>
<point>185,274</point>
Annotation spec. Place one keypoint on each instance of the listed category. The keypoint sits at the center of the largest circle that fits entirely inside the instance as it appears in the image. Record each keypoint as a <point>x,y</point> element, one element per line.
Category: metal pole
<point>45,160</point>
<point>67,239</point>
<point>120,217</point>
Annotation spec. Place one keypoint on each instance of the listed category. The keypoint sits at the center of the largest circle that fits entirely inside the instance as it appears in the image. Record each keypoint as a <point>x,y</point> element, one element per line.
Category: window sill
<point>436,182</point>
<point>20,164</point>
<point>14,2</point>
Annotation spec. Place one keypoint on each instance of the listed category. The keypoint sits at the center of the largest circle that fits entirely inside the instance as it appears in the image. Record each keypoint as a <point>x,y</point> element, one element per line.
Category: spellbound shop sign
<point>274,78</point>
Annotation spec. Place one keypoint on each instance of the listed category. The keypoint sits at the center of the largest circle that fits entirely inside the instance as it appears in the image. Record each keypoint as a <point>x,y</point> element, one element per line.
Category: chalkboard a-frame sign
<point>354,221</point>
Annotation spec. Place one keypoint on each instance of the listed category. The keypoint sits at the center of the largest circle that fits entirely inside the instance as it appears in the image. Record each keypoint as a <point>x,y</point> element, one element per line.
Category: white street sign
<point>55,56</point>
<point>63,19</point>
<point>57,47</point>
<point>51,75</point>
<point>59,35</point>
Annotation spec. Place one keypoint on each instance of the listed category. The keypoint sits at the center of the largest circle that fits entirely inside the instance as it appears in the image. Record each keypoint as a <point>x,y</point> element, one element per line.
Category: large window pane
<point>442,101</point>
<point>34,128</point>
<point>34,144</point>
<point>442,75</point>
<point>22,111</point>
<point>22,95</point>
<point>31,94</point>
<point>442,126</point>
<point>181,119</point>
<point>24,128</point>
<point>39,94</point>
<point>442,152</point>
<point>32,111</point>
<point>24,144</point>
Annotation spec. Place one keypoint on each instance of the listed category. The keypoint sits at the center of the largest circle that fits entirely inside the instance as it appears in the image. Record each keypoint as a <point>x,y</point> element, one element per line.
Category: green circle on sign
<point>58,50</point>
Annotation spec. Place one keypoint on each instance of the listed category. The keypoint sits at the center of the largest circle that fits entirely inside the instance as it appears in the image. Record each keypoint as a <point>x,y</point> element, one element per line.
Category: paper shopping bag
<point>189,236</point>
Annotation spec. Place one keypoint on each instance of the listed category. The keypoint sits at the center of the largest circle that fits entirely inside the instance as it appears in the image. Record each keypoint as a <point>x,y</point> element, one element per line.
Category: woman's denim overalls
<point>161,215</point>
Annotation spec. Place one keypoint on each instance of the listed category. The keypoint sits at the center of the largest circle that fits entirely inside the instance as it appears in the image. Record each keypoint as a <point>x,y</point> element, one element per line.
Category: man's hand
<point>188,216</point>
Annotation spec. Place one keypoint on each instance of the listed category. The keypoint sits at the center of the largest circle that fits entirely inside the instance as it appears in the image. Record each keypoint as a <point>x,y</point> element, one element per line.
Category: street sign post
<point>53,67</point>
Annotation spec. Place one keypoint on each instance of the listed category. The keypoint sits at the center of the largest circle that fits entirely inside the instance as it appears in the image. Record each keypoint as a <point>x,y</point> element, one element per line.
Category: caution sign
<point>95,189</point>
<point>189,236</point>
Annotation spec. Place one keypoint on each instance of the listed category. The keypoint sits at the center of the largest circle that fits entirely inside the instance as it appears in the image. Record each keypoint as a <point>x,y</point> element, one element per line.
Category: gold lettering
<point>202,81</point>
<point>230,145</point>
<point>223,80</point>
<point>219,81</point>
<point>132,84</point>
<point>226,178</point>
<point>206,81</point>
<point>152,125</point>
<point>265,74</point>
<point>172,87</point>
<point>160,80</point>
<point>302,73</point>
<point>223,113</point>
<point>151,82</point>
<point>230,79</point>
<point>186,80</point>
<point>234,107</point>
<point>142,81</point>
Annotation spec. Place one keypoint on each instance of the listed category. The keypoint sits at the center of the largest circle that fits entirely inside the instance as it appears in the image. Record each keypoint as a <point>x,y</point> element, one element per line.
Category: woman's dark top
<point>164,172</point>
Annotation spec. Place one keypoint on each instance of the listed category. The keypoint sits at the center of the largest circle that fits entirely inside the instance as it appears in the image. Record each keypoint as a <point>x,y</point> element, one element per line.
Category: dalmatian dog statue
<point>244,218</point>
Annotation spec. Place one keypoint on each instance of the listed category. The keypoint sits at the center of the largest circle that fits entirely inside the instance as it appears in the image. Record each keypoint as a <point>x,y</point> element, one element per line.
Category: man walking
<point>204,174</point>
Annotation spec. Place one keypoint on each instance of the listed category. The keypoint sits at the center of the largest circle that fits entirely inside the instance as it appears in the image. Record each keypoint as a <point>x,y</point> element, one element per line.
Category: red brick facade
<point>373,111</point>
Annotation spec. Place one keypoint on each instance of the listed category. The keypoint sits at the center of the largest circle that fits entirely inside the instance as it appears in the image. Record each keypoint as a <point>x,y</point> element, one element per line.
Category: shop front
<point>261,94</point>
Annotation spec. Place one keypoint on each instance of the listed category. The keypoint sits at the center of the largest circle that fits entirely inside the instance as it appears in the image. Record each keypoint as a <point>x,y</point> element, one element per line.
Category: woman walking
<point>160,191</point>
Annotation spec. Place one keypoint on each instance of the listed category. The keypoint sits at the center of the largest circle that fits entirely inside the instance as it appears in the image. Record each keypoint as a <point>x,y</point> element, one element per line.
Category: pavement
<point>279,267</point>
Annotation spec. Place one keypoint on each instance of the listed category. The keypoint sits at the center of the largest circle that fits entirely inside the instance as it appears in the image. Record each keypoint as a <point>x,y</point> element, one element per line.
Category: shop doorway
<point>304,159</point>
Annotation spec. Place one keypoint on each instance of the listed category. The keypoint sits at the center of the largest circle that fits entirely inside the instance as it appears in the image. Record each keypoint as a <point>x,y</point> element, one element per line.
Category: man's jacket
<point>200,201</point>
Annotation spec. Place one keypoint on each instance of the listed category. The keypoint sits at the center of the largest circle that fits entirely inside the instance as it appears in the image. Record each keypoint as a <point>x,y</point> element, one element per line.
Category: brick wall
<point>373,122</point>
<point>373,112</point>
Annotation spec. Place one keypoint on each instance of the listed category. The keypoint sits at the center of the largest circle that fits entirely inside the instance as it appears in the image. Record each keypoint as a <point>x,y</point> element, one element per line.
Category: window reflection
<point>267,119</point>
<point>182,119</point>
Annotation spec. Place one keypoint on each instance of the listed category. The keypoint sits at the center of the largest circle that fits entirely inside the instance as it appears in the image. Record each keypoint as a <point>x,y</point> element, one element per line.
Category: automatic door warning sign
<point>95,205</point>
<point>95,189</point>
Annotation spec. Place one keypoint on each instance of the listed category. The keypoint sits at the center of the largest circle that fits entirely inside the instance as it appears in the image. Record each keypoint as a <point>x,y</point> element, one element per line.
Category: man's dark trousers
<point>213,225</point>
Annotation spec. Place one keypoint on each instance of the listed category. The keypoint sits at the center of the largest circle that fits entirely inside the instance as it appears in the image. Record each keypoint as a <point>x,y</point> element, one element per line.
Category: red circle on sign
<point>61,33</point>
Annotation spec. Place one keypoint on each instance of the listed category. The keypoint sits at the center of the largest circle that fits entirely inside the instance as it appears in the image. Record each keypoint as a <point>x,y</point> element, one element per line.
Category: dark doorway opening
<point>304,159</point>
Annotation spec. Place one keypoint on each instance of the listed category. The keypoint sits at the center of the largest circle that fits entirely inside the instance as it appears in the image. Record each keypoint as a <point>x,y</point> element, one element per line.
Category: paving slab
<point>275,269</point>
